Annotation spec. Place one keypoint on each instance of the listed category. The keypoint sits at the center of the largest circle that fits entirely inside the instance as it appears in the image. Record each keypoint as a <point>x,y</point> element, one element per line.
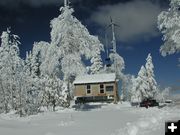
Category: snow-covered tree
<point>166,93</point>
<point>65,102</point>
<point>120,65</point>
<point>33,77</point>
<point>72,66</point>
<point>71,36</point>
<point>139,88</point>
<point>169,25</point>
<point>11,76</point>
<point>151,82</point>
<point>50,60</point>
<point>46,69</point>
<point>73,42</point>
<point>163,95</point>
<point>96,61</point>
<point>127,86</point>
<point>145,86</point>
<point>51,95</point>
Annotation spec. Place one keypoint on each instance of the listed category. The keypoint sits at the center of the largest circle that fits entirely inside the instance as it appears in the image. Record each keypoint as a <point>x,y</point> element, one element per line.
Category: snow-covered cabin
<point>95,88</point>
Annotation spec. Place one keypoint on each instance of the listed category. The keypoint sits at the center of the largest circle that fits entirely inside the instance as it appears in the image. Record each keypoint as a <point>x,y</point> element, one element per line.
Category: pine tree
<point>151,82</point>
<point>145,86</point>
<point>11,73</point>
<point>139,92</point>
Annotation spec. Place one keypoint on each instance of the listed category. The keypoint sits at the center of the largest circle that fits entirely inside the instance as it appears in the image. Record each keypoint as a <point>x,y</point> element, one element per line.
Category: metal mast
<point>113,25</point>
<point>66,3</point>
<point>113,36</point>
<point>114,45</point>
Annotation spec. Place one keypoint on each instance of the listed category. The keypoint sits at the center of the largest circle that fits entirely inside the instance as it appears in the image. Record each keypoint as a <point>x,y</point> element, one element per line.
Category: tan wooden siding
<point>94,89</point>
<point>80,90</point>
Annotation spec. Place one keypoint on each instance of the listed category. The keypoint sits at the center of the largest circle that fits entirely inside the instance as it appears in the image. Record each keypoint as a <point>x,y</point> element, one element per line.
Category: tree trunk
<point>4,97</point>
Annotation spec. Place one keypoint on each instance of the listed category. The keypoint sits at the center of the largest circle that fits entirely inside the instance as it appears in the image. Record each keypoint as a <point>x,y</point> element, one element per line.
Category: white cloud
<point>137,19</point>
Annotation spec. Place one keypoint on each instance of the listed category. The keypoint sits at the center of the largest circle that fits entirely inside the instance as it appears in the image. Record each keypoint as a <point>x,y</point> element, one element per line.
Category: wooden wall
<point>80,89</point>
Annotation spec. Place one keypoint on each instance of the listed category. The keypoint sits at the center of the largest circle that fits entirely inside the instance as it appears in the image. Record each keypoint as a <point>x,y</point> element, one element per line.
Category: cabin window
<point>109,88</point>
<point>88,89</point>
<point>101,88</point>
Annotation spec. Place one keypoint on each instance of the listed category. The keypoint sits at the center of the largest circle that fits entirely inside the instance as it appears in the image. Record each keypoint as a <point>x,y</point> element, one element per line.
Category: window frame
<point>110,86</point>
<point>88,89</point>
<point>101,88</point>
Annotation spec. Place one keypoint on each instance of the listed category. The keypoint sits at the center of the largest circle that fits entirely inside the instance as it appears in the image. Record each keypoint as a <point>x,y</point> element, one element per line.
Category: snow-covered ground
<point>92,119</point>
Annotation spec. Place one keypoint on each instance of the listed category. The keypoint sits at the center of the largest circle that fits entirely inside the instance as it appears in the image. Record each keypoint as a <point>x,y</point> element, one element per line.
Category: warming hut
<point>96,88</point>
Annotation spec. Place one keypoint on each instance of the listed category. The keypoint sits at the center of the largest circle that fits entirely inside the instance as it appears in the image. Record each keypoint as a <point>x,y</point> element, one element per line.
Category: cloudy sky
<point>137,34</point>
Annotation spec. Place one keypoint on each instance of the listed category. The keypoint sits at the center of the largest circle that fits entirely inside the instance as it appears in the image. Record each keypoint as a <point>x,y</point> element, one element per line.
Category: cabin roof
<point>96,78</point>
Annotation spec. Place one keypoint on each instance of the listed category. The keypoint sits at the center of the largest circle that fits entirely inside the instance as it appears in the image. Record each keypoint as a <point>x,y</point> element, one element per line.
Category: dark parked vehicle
<point>149,103</point>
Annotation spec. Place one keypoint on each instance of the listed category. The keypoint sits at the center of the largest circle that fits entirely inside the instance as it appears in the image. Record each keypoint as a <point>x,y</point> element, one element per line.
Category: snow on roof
<point>97,78</point>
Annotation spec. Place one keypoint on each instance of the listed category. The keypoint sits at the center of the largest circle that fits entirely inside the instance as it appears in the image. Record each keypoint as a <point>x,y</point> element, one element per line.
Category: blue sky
<point>137,36</point>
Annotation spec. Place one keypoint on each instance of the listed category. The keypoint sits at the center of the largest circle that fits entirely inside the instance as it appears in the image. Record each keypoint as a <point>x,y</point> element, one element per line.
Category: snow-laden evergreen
<point>11,78</point>
<point>151,82</point>
<point>169,25</point>
<point>72,42</point>
<point>145,85</point>
<point>139,86</point>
